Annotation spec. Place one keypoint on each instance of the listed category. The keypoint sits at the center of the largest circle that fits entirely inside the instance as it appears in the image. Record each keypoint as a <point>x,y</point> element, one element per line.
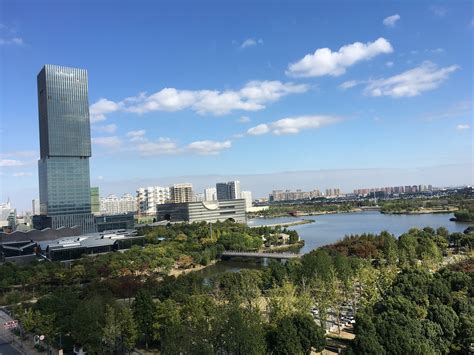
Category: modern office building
<point>95,200</point>
<point>181,193</point>
<point>116,221</point>
<point>208,211</point>
<point>228,190</point>
<point>65,148</point>
<point>149,197</point>
<point>210,194</point>
<point>247,196</point>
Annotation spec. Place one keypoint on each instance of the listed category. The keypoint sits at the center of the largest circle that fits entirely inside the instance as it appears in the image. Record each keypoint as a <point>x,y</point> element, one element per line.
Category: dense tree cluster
<point>178,246</point>
<point>116,302</point>
<point>421,313</point>
<point>417,245</point>
<point>464,215</point>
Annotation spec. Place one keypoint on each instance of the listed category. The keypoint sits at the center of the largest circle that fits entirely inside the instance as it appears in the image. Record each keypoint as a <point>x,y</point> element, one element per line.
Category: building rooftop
<point>90,240</point>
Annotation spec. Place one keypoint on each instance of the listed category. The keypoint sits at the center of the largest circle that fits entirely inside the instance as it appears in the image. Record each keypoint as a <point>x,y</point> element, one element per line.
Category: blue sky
<point>239,88</point>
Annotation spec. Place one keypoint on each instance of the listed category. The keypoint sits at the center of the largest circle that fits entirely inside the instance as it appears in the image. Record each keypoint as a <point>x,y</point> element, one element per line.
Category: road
<point>7,347</point>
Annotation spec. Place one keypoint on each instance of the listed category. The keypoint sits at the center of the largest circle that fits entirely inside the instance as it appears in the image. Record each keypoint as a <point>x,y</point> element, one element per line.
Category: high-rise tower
<point>228,190</point>
<point>65,145</point>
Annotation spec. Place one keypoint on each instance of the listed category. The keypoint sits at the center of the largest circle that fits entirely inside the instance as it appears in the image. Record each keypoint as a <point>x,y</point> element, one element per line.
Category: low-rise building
<point>208,211</point>
<point>117,221</point>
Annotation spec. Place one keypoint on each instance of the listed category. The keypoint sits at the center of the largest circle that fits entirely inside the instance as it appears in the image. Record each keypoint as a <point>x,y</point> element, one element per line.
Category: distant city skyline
<point>201,89</point>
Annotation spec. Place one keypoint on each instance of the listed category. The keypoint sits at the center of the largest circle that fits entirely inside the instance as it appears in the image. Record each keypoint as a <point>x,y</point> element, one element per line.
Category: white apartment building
<point>114,205</point>
<point>149,197</point>
<point>247,196</point>
<point>210,194</point>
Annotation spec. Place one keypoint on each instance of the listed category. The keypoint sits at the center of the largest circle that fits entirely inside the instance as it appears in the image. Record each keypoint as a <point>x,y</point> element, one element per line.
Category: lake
<point>330,228</point>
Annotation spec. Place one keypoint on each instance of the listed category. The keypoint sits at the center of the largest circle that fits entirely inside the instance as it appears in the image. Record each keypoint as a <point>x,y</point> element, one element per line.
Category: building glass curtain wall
<point>65,147</point>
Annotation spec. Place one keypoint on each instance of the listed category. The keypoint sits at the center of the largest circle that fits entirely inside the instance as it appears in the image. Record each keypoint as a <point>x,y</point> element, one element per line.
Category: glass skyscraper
<point>65,144</point>
<point>228,190</point>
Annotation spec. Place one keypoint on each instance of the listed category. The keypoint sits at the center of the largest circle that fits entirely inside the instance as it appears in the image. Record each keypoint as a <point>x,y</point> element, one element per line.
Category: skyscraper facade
<point>228,190</point>
<point>65,148</point>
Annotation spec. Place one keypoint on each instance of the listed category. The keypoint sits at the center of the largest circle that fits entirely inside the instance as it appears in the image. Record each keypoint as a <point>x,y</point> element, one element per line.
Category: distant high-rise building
<point>149,197</point>
<point>95,200</point>
<point>247,196</point>
<point>228,190</point>
<point>65,148</point>
<point>199,197</point>
<point>35,206</point>
<point>6,212</point>
<point>210,194</point>
<point>180,193</point>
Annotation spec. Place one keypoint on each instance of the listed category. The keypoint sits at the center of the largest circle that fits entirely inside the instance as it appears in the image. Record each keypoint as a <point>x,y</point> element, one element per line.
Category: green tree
<point>87,324</point>
<point>144,311</point>
<point>283,339</point>
<point>310,335</point>
<point>242,331</point>
<point>111,330</point>
<point>128,328</point>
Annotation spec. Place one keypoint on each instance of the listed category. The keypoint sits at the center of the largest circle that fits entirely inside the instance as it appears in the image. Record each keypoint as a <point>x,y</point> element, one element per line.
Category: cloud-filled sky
<point>240,89</point>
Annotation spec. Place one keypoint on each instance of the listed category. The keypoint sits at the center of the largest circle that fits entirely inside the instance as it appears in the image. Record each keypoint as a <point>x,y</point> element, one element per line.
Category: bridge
<point>248,254</point>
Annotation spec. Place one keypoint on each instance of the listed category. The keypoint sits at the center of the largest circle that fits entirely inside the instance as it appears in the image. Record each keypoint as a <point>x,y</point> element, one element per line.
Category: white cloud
<point>457,109</point>
<point>462,127</point>
<point>439,11</point>
<point>258,130</point>
<point>102,107</point>
<point>349,84</point>
<point>389,64</point>
<point>20,153</point>
<point>8,36</point>
<point>412,82</point>
<point>325,62</point>
<point>244,119</point>
<point>159,147</point>
<point>209,147</point>
<point>391,20</point>
<point>10,162</point>
<point>107,142</point>
<point>252,97</point>
<point>435,50</point>
<point>18,41</point>
<point>293,125</point>
<point>250,42</point>
<point>109,128</point>
<point>136,136</point>
<point>22,174</point>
